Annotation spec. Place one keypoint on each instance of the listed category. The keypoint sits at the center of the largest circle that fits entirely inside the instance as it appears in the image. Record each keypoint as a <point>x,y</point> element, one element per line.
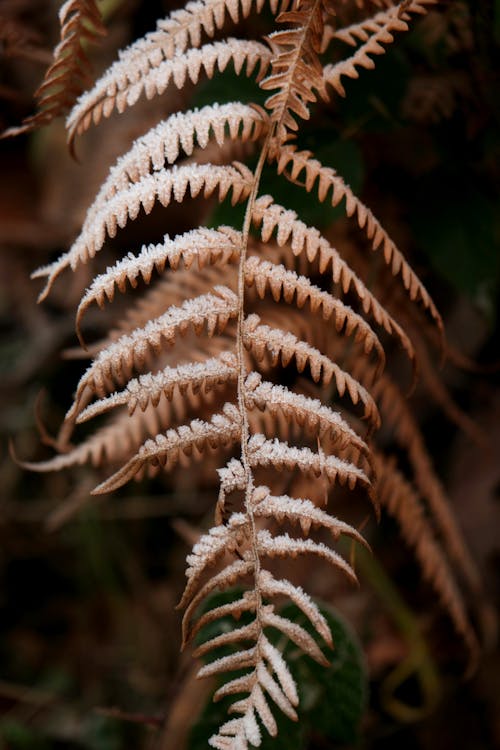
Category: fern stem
<point>297,58</point>
<point>274,132</point>
<point>240,353</point>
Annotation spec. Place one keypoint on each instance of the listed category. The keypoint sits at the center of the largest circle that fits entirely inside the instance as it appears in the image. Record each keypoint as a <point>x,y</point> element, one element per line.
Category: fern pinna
<point>245,346</point>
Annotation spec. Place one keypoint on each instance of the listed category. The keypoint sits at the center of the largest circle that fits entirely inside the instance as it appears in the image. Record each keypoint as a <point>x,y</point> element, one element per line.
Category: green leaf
<point>334,698</point>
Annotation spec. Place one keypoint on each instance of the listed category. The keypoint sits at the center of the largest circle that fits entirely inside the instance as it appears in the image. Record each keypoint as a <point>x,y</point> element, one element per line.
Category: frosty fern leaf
<point>208,365</point>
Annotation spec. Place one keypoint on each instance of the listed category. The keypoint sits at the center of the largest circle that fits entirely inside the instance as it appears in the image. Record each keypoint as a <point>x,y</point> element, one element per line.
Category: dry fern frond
<point>373,33</point>
<point>398,498</point>
<point>181,30</point>
<point>167,450</point>
<point>288,286</point>
<point>197,367</point>
<point>327,180</point>
<point>67,76</point>
<point>296,72</point>
<point>269,677</point>
<point>125,205</point>
<point>203,245</point>
<point>282,347</point>
<point>124,90</point>
<point>178,134</point>
<point>149,389</point>
<point>303,239</point>
<point>397,415</point>
<point>309,413</point>
<point>115,363</point>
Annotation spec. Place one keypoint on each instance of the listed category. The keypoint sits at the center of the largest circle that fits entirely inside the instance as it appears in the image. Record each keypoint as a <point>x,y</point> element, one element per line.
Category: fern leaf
<point>172,395</point>
<point>328,180</point>
<point>247,603</point>
<point>115,363</point>
<point>302,511</point>
<point>164,187</point>
<point>244,633</point>
<point>382,29</point>
<point>238,660</point>
<point>191,597</point>
<point>309,413</point>
<point>172,289</point>
<point>296,72</point>
<point>264,452</point>
<point>358,32</point>
<point>307,240</point>
<point>182,29</point>
<point>69,73</point>
<point>397,415</point>
<point>271,587</point>
<point>283,346</point>
<point>122,87</point>
<point>286,687</point>
<point>167,450</point>
<point>204,246</point>
<point>295,633</point>
<point>397,496</point>
<point>178,134</point>
<point>284,545</point>
<point>211,546</point>
<point>148,389</point>
<point>120,438</point>
<point>287,285</point>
